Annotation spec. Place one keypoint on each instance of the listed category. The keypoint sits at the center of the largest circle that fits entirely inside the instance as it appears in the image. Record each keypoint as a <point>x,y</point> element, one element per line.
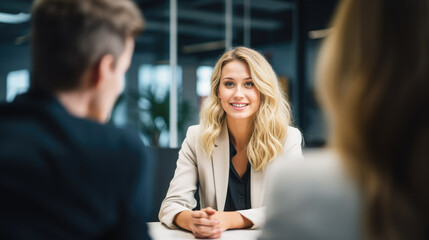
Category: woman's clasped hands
<point>207,223</point>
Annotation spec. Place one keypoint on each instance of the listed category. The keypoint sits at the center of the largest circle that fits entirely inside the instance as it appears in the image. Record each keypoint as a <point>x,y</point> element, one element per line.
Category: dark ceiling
<point>200,22</point>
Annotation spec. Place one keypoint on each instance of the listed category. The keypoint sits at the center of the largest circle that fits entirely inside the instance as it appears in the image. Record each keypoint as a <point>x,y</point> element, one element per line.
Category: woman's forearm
<point>234,220</point>
<point>183,220</point>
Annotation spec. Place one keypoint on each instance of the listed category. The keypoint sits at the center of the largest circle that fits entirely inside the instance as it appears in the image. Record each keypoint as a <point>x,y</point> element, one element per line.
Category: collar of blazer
<point>220,164</point>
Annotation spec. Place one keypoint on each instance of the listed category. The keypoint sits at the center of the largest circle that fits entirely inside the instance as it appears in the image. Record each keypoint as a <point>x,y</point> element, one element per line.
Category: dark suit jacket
<point>63,177</point>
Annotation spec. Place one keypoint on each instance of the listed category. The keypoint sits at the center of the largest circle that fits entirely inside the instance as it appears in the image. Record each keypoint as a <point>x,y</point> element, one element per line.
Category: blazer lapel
<point>220,163</point>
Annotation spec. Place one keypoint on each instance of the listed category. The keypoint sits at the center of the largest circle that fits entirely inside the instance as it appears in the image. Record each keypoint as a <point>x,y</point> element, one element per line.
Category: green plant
<point>153,114</point>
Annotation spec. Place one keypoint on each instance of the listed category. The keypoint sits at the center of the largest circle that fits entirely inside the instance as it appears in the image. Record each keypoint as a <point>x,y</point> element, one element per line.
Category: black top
<point>63,177</point>
<point>238,196</point>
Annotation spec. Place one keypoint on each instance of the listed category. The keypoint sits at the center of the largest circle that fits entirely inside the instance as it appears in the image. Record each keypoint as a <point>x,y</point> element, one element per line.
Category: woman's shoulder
<point>313,160</point>
<point>316,186</point>
<point>316,168</point>
<point>293,141</point>
<point>293,134</point>
<point>195,127</point>
<point>193,130</point>
<point>193,135</point>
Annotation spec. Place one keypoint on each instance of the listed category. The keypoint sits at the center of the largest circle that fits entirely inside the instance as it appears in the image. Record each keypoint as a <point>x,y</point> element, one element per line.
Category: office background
<point>175,55</point>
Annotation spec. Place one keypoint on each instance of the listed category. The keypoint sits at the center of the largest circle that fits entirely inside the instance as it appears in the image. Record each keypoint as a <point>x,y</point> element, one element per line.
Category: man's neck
<point>77,103</point>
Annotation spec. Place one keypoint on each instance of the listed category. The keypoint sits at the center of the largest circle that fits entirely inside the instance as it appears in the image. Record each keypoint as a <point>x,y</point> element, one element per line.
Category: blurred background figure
<point>244,129</point>
<point>64,173</point>
<point>373,83</point>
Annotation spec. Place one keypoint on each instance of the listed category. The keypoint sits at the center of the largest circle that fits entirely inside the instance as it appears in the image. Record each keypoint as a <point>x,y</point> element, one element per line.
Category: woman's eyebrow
<point>230,78</point>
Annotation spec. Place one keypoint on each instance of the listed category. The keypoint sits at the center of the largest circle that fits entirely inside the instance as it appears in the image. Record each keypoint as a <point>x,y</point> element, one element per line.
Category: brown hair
<point>69,36</point>
<point>374,78</point>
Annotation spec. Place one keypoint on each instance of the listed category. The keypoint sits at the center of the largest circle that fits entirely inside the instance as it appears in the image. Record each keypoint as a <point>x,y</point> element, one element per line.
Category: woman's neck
<point>240,132</point>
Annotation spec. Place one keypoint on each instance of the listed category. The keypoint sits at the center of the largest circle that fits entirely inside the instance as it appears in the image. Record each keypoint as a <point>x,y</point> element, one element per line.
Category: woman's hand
<point>203,225</point>
<point>222,218</point>
<point>209,223</point>
<point>231,220</point>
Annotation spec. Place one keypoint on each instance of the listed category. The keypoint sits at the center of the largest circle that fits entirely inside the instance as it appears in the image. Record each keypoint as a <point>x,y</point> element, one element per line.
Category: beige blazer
<point>212,174</point>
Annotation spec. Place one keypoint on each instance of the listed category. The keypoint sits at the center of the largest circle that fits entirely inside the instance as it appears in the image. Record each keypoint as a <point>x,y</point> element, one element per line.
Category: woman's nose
<point>238,92</point>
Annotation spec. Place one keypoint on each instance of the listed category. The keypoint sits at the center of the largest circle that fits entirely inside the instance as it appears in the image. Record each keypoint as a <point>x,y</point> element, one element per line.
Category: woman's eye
<point>229,84</point>
<point>249,84</point>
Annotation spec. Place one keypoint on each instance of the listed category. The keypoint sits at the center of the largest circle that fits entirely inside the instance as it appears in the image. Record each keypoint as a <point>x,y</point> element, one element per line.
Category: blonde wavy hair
<point>271,120</point>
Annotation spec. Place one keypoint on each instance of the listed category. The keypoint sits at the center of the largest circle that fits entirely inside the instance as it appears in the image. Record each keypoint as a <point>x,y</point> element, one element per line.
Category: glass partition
<point>287,32</point>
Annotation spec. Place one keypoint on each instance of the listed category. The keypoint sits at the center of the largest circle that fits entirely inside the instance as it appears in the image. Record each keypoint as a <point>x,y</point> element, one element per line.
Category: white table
<point>160,232</point>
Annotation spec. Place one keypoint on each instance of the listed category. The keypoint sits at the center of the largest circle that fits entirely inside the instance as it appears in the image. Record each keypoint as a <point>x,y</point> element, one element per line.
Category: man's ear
<point>102,70</point>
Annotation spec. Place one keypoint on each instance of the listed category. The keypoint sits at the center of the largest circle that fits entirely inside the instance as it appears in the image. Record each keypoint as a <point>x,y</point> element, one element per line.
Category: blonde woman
<point>373,83</point>
<point>244,128</point>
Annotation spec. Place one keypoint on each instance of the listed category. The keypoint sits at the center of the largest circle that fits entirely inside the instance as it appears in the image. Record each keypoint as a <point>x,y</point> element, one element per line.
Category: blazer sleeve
<point>180,194</point>
<point>255,215</point>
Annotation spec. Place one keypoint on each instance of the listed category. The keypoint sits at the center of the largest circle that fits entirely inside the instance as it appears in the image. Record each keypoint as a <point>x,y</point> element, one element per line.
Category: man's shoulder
<point>122,142</point>
<point>46,124</point>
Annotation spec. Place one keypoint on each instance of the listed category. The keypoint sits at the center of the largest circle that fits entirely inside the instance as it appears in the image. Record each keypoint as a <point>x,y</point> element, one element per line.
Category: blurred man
<point>64,174</point>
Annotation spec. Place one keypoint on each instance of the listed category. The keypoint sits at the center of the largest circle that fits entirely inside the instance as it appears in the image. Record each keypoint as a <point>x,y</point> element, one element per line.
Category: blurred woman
<point>244,128</point>
<point>373,84</point>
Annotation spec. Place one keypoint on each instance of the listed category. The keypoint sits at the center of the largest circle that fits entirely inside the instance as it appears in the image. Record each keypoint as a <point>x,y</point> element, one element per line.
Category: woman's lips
<point>239,106</point>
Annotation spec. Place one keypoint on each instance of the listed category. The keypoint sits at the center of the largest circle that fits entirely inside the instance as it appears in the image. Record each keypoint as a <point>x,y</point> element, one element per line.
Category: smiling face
<point>239,97</point>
